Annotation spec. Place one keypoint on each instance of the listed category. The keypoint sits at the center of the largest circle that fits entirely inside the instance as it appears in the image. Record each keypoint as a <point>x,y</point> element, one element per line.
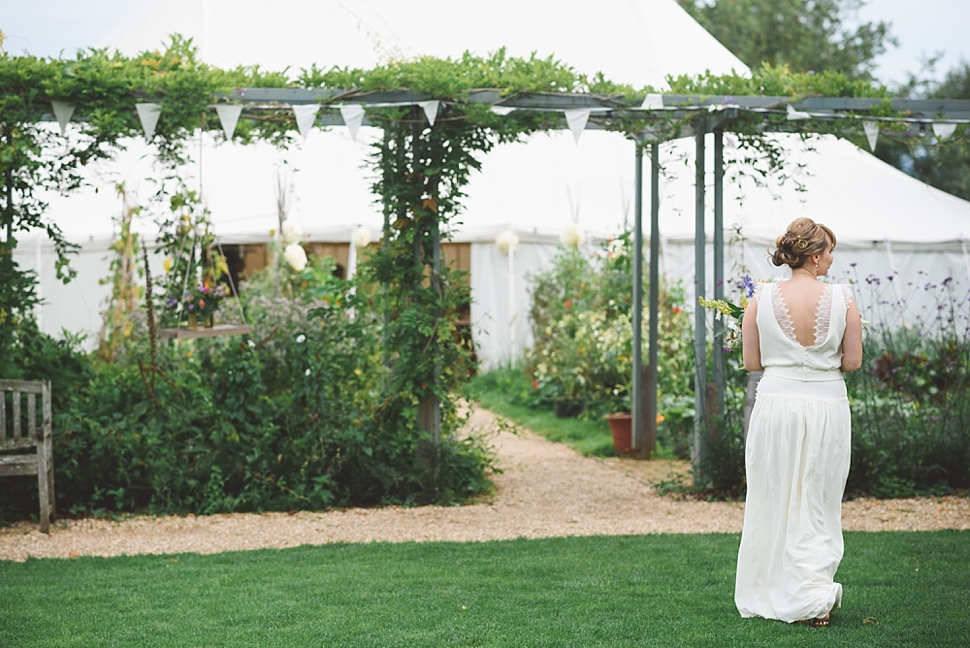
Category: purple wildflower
<point>747,285</point>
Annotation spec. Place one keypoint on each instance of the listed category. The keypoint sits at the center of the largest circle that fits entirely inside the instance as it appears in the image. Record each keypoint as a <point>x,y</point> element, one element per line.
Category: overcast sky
<point>923,27</point>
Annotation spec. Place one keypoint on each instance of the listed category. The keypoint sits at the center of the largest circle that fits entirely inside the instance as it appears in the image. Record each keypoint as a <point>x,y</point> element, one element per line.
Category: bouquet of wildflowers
<point>735,312</point>
<point>202,301</point>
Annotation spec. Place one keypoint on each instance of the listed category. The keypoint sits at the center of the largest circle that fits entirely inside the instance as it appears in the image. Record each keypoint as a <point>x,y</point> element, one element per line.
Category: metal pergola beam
<point>926,109</point>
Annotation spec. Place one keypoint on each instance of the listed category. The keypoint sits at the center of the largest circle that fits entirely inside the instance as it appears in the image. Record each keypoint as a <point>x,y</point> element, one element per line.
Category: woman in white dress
<point>803,334</point>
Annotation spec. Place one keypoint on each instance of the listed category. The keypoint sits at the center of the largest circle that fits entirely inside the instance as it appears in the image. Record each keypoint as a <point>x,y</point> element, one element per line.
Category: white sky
<point>923,27</point>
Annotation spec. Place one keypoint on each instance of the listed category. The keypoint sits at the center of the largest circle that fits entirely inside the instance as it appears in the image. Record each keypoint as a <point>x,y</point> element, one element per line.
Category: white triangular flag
<point>228,117</point>
<point>577,121</point>
<point>653,101</point>
<point>430,109</point>
<point>64,110</point>
<point>353,115</point>
<point>943,130</point>
<point>502,110</point>
<point>872,133</point>
<point>148,114</point>
<point>796,114</point>
<point>305,115</point>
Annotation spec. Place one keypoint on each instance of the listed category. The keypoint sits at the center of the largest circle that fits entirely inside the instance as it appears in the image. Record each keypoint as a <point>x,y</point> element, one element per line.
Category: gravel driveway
<point>547,489</point>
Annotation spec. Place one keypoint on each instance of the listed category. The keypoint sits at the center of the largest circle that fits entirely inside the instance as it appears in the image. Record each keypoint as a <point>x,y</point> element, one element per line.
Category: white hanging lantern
<point>507,241</point>
<point>571,236</point>
<point>295,255</point>
<point>362,237</point>
<point>292,233</point>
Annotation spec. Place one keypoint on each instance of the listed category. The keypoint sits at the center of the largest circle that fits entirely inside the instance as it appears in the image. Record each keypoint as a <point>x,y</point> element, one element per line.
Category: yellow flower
<point>719,305</point>
<point>167,264</point>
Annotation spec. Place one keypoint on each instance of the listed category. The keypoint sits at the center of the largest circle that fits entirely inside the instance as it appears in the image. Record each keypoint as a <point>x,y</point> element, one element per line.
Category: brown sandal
<point>819,622</point>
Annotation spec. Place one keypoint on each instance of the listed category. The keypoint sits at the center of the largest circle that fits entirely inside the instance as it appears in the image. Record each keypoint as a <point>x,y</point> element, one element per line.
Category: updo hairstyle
<point>803,239</point>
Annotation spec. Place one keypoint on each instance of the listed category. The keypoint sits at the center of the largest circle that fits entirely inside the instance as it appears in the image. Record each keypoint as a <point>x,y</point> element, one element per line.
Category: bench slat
<point>17,444</point>
<point>16,415</point>
<point>26,386</point>
<point>15,465</point>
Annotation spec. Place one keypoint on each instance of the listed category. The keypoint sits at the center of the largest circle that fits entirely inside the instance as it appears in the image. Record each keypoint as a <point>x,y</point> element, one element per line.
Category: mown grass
<point>901,589</point>
<point>507,391</point>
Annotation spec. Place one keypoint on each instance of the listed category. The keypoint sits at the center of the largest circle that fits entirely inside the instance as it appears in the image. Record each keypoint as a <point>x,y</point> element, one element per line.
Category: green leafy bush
<point>583,336</point>
<point>284,419</point>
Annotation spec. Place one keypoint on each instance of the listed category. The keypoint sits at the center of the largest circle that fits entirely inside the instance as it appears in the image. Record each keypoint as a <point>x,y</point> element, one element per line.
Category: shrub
<point>283,419</point>
<point>583,336</point>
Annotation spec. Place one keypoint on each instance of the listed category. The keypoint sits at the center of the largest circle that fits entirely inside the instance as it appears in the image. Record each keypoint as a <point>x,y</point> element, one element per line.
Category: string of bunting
<point>577,119</point>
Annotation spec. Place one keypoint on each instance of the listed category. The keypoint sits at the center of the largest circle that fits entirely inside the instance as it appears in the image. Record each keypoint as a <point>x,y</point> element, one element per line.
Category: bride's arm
<point>852,339</point>
<point>750,341</point>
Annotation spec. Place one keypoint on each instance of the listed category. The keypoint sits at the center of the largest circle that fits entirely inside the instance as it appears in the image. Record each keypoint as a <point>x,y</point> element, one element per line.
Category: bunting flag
<point>430,109</point>
<point>796,114</point>
<point>872,133</point>
<point>148,114</point>
<point>353,116</point>
<point>228,117</point>
<point>577,121</point>
<point>943,130</point>
<point>502,110</point>
<point>653,102</point>
<point>63,112</point>
<point>305,115</point>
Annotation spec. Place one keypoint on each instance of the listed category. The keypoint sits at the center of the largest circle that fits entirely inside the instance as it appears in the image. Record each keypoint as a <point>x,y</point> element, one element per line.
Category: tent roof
<point>630,41</point>
<point>536,188</point>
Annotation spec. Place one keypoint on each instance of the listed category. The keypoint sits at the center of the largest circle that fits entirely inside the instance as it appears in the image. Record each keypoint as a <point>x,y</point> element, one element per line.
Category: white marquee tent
<point>535,189</point>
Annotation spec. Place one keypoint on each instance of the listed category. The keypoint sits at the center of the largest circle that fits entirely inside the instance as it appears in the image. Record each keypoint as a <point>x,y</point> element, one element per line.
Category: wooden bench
<point>40,462</point>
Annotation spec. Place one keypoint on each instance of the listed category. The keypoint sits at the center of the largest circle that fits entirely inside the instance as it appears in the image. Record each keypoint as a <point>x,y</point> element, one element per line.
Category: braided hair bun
<point>803,239</point>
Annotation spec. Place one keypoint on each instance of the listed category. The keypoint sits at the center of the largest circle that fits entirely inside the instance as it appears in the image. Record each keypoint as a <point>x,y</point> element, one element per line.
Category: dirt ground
<point>546,489</point>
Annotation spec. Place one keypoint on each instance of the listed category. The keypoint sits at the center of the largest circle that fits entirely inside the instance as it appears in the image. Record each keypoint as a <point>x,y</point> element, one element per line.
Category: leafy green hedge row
<point>284,420</point>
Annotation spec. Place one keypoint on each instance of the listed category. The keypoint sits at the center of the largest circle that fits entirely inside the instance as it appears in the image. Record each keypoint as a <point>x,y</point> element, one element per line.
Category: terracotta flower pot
<point>569,408</point>
<point>621,425</point>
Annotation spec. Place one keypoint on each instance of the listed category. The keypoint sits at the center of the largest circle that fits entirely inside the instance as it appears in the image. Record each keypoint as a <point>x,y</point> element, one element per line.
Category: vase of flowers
<point>200,303</point>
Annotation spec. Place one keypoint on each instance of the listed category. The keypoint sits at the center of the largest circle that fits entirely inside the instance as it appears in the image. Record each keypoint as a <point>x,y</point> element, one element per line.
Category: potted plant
<point>621,423</point>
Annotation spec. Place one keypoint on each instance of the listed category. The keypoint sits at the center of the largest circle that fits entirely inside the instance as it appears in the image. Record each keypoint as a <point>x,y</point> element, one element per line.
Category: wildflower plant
<point>911,399</point>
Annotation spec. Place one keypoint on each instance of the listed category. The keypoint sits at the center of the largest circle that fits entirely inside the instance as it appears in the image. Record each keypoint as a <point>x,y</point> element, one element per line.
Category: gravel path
<point>547,489</point>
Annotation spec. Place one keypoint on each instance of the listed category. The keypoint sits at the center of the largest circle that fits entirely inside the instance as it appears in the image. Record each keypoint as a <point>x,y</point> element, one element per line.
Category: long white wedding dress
<point>797,460</point>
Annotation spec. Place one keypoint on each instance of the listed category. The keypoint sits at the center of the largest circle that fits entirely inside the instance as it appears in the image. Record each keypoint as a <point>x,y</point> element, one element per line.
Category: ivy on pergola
<point>422,169</point>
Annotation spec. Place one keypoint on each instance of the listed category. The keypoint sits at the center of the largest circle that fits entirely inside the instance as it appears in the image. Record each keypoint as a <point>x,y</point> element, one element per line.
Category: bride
<point>803,333</point>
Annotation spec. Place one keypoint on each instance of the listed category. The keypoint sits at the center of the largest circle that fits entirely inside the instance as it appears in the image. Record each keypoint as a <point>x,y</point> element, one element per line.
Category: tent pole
<point>652,408</point>
<point>718,336</point>
<point>699,450</point>
<point>636,394</point>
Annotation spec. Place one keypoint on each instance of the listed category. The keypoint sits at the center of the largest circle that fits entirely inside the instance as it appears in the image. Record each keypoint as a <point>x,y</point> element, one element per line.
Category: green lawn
<point>901,589</point>
<point>505,392</point>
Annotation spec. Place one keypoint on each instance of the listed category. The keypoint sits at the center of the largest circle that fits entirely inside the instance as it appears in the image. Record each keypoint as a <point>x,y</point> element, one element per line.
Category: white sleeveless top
<point>780,348</point>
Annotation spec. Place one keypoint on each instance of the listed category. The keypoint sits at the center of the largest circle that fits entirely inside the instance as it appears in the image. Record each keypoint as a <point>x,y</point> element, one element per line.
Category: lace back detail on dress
<point>782,316</point>
<point>823,315</point>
